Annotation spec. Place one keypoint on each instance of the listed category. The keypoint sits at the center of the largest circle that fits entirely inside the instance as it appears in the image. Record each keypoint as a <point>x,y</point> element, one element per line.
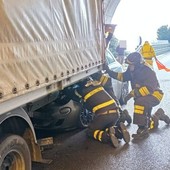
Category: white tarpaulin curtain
<point>42,41</point>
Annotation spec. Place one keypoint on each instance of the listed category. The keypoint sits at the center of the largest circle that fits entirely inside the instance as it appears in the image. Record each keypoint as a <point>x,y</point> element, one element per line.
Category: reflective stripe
<point>157,95</point>
<point>120,76</point>
<point>151,124</point>
<point>144,91</point>
<point>95,134</point>
<point>139,109</point>
<point>100,106</point>
<point>109,111</point>
<point>104,79</point>
<point>100,135</point>
<point>88,95</point>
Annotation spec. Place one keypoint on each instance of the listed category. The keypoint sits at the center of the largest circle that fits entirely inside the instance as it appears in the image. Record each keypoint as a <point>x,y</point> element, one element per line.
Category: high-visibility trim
<point>104,79</point>
<point>100,135</point>
<point>144,91</point>
<point>88,95</point>
<point>151,124</point>
<point>96,133</point>
<point>139,109</point>
<point>120,76</point>
<point>157,95</point>
<point>108,112</point>
<point>100,106</point>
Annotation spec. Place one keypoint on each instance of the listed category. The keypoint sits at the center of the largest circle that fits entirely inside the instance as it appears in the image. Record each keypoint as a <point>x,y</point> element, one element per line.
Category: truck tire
<point>15,154</point>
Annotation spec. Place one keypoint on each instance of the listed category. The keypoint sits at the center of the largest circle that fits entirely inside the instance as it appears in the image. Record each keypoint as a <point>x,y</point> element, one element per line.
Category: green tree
<point>163,33</point>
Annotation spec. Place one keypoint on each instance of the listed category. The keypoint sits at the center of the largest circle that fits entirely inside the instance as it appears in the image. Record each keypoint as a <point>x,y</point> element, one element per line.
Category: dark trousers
<point>101,123</point>
<point>147,102</point>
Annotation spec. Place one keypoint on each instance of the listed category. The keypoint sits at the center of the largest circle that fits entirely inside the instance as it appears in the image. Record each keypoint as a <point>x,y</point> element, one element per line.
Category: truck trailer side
<point>45,46</point>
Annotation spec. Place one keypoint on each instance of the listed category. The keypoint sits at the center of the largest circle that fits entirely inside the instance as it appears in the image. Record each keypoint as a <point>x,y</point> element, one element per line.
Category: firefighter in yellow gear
<point>98,101</point>
<point>145,90</point>
<point>148,53</point>
<point>105,80</point>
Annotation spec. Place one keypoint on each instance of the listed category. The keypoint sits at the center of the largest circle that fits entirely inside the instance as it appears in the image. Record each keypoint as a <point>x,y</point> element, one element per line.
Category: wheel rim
<point>86,117</point>
<point>13,161</point>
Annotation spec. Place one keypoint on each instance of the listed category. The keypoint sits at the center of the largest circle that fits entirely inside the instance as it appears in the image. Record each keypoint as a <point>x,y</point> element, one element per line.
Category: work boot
<point>142,132</point>
<point>162,116</point>
<point>124,116</point>
<point>113,138</point>
<point>127,117</point>
<point>154,123</point>
<point>125,133</point>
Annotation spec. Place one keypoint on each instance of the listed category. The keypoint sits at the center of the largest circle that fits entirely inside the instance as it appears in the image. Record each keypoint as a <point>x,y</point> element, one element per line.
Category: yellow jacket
<point>148,53</point>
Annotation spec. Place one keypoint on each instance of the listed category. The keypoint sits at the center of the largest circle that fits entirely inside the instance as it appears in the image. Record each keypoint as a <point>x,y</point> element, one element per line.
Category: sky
<point>136,18</point>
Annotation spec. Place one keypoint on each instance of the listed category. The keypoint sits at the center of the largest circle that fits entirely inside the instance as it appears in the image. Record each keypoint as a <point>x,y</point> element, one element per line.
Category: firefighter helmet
<point>134,58</point>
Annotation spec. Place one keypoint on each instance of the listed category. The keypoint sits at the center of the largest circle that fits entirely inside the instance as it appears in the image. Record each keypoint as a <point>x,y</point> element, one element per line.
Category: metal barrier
<point>161,47</point>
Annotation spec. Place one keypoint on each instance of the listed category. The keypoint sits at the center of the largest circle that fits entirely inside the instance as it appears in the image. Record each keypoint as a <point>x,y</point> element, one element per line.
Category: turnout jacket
<point>143,81</point>
<point>97,99</point>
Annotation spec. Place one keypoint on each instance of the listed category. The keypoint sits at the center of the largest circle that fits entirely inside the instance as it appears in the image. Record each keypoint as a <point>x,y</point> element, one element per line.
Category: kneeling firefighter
<point>105,80</point>
<point>106,113</point>
<point>145,91</point>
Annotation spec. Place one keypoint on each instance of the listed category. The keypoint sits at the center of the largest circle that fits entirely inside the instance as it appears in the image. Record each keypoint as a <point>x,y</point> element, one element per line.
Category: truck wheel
<point>15,154</point>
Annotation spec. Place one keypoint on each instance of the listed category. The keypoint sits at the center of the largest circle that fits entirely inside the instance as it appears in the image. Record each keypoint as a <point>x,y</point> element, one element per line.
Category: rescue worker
<point>106,113</point>
<point>105,80</point>
<point>145,91</point>
<point>148,53</point>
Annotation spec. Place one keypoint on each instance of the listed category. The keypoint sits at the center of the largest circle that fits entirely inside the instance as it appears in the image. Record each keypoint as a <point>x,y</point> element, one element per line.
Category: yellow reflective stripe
<point>144,91</point>
<point>120,76</point>
<point>100,106</point>
<point>104,79</point>
<point>158,95</point>
<point>100,135</point>
<point>95,134</point>
<point>151,124</point>
<point>88,95</point>
<point>139,109</point>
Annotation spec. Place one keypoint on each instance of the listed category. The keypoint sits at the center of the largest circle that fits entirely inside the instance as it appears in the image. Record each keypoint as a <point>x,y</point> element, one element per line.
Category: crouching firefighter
<point>106,113</point>
<point>105,81</point>
<point>145,91</point>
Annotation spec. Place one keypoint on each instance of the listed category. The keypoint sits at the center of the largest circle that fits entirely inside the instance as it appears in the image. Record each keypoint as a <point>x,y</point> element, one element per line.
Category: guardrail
<point>161,47</point>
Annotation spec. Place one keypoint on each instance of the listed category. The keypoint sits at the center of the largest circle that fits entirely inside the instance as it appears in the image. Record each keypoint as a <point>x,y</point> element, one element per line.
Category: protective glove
<point>106,67</point>
<point>129,96</point>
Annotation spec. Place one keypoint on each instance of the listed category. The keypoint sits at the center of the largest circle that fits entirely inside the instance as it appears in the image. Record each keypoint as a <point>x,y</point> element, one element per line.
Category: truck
<point>45,46</point>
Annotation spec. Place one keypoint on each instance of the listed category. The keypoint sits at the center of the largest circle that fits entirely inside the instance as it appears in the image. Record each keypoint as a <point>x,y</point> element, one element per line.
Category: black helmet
<point>134,58</point>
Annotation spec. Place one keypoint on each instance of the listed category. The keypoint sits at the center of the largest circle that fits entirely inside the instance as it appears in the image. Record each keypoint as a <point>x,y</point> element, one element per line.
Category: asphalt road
<point>73,151</point>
